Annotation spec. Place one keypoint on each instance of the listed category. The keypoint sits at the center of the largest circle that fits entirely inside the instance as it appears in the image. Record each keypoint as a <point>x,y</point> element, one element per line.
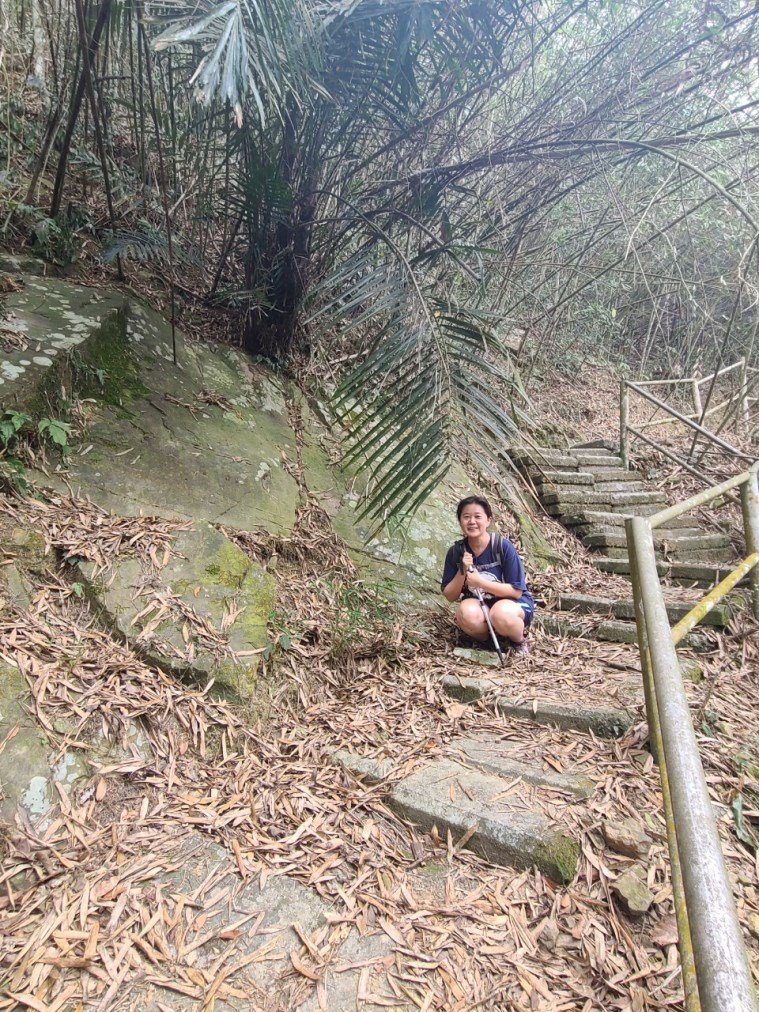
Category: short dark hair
<point>474,500</point>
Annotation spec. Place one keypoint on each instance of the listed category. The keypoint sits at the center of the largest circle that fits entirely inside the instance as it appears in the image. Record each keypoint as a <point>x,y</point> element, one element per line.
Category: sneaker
<point>520,648</point>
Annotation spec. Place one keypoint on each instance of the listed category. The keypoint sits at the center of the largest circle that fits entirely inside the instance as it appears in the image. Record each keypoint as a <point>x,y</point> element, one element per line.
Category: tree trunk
<point>272,332</point>
<point>74,110</point>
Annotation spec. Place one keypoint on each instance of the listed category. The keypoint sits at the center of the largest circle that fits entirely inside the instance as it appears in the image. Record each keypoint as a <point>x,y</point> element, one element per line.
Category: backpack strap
<point>459,548</point>
<point>496,546</point>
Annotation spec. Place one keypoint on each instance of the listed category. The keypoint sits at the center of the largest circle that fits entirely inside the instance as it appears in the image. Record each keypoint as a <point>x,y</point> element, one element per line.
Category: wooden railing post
<point>697,405</point>
<point>743,414</point>
<point>624,418</point>
<point>750,507</point>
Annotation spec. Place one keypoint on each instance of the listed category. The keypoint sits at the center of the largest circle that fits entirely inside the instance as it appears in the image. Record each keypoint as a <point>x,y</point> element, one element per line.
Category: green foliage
<point>361,615</point>
<point>55,431</point>
<point>12,475</point>
<point>11,424</point>
<point>58,240</point>
<point>258,52</point>
<point>16,426</point>
<point>146,242</point>
<point>426,395</point>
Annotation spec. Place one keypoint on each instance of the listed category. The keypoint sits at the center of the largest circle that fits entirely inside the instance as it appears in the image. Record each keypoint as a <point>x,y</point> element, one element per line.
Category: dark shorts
<point>529,610</point>
<point>525,603</point>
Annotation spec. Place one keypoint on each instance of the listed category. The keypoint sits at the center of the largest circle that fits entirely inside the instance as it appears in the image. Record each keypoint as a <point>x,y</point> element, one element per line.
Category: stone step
<point>599,518</point>
<point>681,551</point>
<point>612,473</point>
<point>600,446</point>
<point>678,540</point>
<point>613,552</point>
<point>698,542</point>
<point>711,556</point>
<point>544,458</point>
<point>550,479</point>
<point>597,459</point>
<point>661,537</point>
<point>490,754</point>
<point>572,502</point>
<point>606,722</point>
<point>685,573</point>
<point>472,806</point>
<point>640,509</point>
<point>611,630</point>
<point>619,486</point>
<point>624,609</point>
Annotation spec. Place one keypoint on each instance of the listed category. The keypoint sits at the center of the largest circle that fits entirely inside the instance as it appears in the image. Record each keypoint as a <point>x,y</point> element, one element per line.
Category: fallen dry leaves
<point>87,906</point>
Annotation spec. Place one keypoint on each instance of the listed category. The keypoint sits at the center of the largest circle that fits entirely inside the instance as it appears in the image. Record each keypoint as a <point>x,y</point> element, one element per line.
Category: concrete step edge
<point>600,537</point>
<point>602,446</point>
<point>701,575</point>
<point>719,615</point>
<point>433,797</point>
<point>606,722</point>
<point>598,460</point>
<point>489,754</point>
<point>620,486</point>
<point>626,499</point>
<point>586,517</point>
<point>607,630</point>
<point>613,473</point>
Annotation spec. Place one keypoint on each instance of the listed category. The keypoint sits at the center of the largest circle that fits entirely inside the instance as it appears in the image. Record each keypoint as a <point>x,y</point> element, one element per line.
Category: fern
<point>146,243</point>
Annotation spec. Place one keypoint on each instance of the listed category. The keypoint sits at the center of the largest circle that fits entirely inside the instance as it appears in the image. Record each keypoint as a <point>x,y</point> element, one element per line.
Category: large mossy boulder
<point>24,767</point>
<point>215,438</point>
<point>29,766</point>
<point>208,438</point>
<point>203,616</point>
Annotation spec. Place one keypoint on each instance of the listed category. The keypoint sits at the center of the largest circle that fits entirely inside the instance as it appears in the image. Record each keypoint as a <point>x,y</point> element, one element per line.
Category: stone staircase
<point>590,492</point>
<point>481,797</point>
<point>466,793</point>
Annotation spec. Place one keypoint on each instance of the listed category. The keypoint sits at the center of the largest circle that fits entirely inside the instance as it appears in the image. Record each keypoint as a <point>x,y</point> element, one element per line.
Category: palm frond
<point>437,386</point>
<point>265,52</point>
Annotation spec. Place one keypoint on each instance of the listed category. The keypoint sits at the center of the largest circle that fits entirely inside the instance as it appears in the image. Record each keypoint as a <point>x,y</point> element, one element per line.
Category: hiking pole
<point>486,612</point>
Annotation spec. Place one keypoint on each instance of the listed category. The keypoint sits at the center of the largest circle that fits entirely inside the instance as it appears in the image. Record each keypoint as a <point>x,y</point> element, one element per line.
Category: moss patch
<point>105,366</point>
<point>212,576</point>
<point>229,567</point>
<point>534,544</point>
<point>561,855</point>
<point>24,759</point>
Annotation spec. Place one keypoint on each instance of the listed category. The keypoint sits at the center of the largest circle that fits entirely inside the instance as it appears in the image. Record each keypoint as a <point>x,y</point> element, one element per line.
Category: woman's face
<point>474,521</point>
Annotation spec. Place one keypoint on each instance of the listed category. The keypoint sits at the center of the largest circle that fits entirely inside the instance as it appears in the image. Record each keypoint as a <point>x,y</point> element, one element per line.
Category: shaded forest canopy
<point>421,203</point>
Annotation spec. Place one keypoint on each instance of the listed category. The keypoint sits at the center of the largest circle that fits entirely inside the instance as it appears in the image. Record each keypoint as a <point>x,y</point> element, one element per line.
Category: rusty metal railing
<point>738,404</point>
<point>716,974</point>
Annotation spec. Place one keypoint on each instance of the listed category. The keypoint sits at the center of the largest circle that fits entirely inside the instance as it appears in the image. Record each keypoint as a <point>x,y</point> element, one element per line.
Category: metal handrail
<point>716,974</point>
<point>625,429</point>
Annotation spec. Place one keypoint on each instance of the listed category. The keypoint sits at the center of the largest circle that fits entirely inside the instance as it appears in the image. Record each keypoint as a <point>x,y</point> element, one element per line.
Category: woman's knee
<point>508,618</point>
<point>469,615</point>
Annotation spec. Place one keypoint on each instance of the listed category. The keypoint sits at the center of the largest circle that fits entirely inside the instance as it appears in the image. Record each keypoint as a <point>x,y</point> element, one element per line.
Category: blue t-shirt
<point>510,569</point>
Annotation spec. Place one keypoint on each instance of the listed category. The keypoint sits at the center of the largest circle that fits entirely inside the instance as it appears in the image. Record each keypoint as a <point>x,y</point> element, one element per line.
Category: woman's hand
<point>467,561</point>
<point>475,581</point>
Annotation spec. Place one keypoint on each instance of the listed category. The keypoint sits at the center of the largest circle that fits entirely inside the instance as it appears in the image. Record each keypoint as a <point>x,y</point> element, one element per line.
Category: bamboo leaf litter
<point>84,914</point>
